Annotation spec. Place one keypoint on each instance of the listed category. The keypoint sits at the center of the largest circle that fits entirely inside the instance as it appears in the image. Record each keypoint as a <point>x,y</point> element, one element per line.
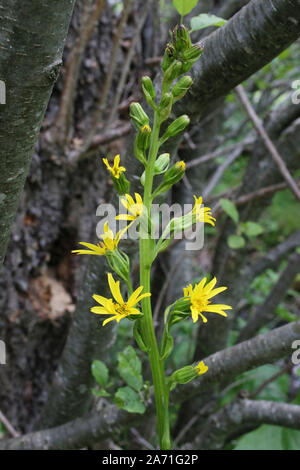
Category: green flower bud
<point>175,173</point>
<point>149,91</point>
<point>165,106</point>
<point>169,56</point>
<point>184,375</point>
<point>181,38</point>
<point>187,374</point>
<point>162,163</point>
<point>171,176</point>
<point>142,142</point>
<point>119,262</point>
<point>121,184</point>
<point>175,128</point>
<point>181,87</point>
<point>193,53</point>
<point>138,115</point>
<point>173,72</point>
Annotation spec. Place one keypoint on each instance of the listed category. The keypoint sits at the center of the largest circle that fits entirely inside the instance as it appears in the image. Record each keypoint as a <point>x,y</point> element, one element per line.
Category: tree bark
<point>31,50</point>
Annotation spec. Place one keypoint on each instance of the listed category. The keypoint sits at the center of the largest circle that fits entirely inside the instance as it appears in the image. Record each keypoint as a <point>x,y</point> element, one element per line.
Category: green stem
<point>146,257</point>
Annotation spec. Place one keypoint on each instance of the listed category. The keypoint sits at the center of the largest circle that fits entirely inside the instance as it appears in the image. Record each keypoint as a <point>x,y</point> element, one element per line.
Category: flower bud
<point>184,375</point>
<point>121,184</point>
<point>138,115</point>
<point>187,374</point>
<point>142,142</point>
<point>175,173</point>
<point>175,128</point>
<point>181,38</point>
<point>181,87</point>
<point>165,106</point>
<point>169,56</point>
<point>148,90</point>
<point>119,262</point>
<point>173,72</point>
<point>193,53</point>
<point>162,163</point>
<point>171,176</point>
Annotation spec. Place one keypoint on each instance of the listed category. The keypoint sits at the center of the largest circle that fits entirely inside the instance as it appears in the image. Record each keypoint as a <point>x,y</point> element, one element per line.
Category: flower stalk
<point>178,59</point>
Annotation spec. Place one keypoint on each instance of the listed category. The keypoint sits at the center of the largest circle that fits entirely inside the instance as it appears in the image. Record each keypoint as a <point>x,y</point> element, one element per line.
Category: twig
<point>141,440</point>
<point>127,63</point>
<point>265,312</point>
<point>90,17</point>
<point>185,429</point>
<point>274,377</point>
<point>245,199</point>
<point>267,141</point>
<point>101,104</point>
<point>218,153</point>
<point>8,425</point>
<point>109,136</point>
<point>221,170</point>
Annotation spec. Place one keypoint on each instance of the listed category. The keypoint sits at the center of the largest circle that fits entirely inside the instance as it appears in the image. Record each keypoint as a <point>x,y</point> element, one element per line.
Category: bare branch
<point>267,141</point>
<point>244,411</point>
<point>225,364</point>
<point>74,434</point>
<point>90,17</point>
<point>265,312</point>
<point>8,425</point>
<point>126,65</point>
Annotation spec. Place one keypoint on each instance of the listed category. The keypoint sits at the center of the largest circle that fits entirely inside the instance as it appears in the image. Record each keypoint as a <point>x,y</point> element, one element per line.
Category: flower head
<point>201,368</point>
<point>200,297</point>
<point>109,243</point>
<point>115,170</point>
<point>135,209</point>
<point>180,165</point>
<point>203,214</point>
<point>116,307</point>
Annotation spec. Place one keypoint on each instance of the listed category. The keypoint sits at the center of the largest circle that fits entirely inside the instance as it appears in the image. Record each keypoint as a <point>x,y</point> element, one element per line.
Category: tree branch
<point>250,39</point>
<point>74,434</point>
<point>244,411</point>
<point>267,141</point>
<point>225,364</point>
<point>265,312</point>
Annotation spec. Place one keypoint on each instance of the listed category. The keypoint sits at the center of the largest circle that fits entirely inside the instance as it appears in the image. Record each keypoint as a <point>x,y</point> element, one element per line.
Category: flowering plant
<point>179,56</point>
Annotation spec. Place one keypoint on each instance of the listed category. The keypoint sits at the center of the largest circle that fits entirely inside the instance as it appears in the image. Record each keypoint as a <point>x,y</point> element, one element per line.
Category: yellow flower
<point>201,368</point>
<point>146,128</point>
<point>203,214</point>
<point>180,165</point>
<point>135,209</point>
<point>200,295</point>
<point>109,243</point>
<point>118,309</point>
<point>115,170</point>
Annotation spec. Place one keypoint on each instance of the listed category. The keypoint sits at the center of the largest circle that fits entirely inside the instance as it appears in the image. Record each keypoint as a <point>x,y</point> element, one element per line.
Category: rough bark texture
<point>31,50</point>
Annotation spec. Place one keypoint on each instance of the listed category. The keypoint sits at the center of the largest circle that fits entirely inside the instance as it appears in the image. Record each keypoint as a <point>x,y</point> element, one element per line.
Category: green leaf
<point>100,393</point>
<point>184,6</point>
<point>290,439</point>
<point>204,21</point>
<point>129,400</point>
<point>252,229</point>
<point>230,209</point>
<point>236,242</point>
<point>100,373</point>
<point>130,368</point>
<point>264,438</point>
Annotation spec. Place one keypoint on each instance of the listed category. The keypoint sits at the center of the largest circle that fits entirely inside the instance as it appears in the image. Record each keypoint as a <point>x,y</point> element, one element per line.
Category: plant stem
<point>146,258</point>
